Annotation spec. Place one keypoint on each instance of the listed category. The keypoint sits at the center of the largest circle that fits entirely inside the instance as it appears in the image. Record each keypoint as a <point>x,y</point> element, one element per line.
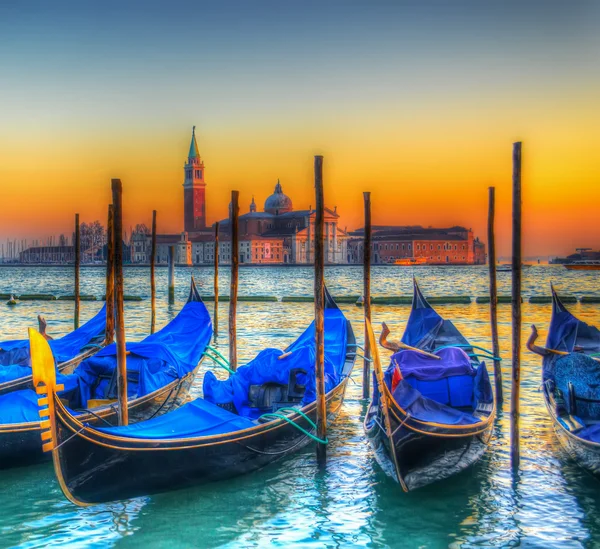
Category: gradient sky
<point>418,102</point>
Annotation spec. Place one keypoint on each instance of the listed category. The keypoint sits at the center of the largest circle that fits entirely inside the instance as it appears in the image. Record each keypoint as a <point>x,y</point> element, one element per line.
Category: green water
<point>550,502</point>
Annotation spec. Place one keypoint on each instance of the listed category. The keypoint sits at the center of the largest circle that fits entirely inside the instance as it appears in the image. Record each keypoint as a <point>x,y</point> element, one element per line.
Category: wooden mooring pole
<point>110,277</point>
<point>171,275</point>
<point>367,292</point>
<point>152,275</point>
<point>233,289</point>
<point>494,295</point>
<point>117,193</point>
<point>77,245</point>
<point>320,312</point>
<point>216,282</point>
<point>516,308</point>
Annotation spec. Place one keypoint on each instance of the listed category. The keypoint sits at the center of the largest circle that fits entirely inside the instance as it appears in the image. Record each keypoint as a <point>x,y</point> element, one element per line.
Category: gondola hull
<point>109,468</point>
<point>423,458</point>
<point>21,444</point>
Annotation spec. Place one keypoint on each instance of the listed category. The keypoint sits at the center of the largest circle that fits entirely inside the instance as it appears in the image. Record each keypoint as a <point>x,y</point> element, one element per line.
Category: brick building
<point>432,246</point>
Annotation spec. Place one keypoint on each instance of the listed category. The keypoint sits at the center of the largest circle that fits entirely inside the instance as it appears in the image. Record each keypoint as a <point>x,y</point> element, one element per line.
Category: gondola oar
<point>397,345</point>
<point>383,397</point>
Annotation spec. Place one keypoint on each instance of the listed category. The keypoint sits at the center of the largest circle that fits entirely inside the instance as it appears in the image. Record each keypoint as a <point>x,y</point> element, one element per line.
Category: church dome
<point>278,202</point>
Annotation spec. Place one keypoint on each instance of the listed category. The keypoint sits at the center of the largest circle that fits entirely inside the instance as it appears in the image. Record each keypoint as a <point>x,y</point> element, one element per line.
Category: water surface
<point>550,502</point>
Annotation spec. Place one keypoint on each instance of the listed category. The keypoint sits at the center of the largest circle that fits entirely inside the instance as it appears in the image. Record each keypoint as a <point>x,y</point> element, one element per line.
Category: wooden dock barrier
<point>485,299</point>
<point>590,299</point>
<point>517,261</point>
<point>233,288</point>
<point>367,293</point>
<point>544,299</point>
<point>152,275</point>
<point>117,193</point>
<point>320,312</point>
<point>77,246</point>
<point>82,297</point>
<point>37,297</point>
<point>493,298</point>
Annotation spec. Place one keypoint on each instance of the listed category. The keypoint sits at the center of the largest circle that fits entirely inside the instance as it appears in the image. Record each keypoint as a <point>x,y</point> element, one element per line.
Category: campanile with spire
<point>194,200</point>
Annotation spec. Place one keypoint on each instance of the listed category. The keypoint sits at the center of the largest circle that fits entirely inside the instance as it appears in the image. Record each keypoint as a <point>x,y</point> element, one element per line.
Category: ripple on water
<point>550,503</point>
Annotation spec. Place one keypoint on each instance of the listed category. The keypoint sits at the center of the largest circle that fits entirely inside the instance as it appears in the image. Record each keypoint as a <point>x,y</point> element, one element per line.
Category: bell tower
<point>194,201</point>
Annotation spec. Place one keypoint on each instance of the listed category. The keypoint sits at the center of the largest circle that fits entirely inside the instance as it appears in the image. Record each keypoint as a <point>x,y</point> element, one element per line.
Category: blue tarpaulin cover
<point>14,355</point>
<point>194,419</point>
<point>453,362</point>
<point>154,362</point>
<point>203,417</point>
<point>268,368</point>
<point>454,380</point>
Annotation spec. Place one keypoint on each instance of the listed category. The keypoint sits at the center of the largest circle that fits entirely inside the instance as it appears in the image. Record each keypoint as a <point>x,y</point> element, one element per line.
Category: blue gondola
<point>68,351</point>
<point>263,412</point>
<point>429,418</point>
<point>160,371</point>
<point>571,383</point>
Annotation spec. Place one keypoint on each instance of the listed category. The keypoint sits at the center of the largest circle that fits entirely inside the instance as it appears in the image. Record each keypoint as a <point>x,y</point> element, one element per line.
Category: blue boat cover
<point>431,387</point>
<point>154,362</point>
<point>426,409</point>
<point>14,355</point>
<point>194,419</point>
<point>266,367</point>
<point>453,362</point>
<point>22,406</point>
<point>566,331</point>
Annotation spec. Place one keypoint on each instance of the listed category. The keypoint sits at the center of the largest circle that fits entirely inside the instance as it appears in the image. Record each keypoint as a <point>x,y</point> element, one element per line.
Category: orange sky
<point>419,108</point>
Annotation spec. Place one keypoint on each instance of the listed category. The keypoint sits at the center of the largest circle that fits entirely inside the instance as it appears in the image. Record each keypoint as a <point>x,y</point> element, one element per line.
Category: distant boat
<point>584,265</point>
<point>410,261</point>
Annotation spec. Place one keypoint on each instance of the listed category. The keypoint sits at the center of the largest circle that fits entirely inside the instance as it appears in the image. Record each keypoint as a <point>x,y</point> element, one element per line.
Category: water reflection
<point>551,503</point>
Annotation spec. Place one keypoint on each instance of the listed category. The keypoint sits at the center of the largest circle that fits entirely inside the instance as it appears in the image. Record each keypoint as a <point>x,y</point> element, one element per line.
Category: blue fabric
<point>590,433</point>
<point>195,419</point>
<point>482,390</point>
<point>16,352</point>
<point>160,358</point>
<point>584,374</point>
<point>423,319</point>
<point>266,367</point>
<point>566,331</point>
<point>426,409</point>
<point>453,362</point>
<point>22,406</point>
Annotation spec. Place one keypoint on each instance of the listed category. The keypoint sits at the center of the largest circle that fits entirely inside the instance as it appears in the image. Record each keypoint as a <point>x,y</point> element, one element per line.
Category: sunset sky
<point>418,102</point>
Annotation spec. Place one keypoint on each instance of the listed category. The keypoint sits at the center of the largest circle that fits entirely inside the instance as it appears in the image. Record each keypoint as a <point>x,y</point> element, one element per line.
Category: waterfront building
<point>433,246</point>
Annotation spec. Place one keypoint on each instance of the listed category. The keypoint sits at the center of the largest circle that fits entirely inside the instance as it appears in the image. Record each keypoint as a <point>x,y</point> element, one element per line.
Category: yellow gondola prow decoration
<point>44,381</point>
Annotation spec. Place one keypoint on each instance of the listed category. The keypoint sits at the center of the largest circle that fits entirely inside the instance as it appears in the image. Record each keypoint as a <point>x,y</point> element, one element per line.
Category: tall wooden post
<point>117,192</point>
<point>320,312</point>
<point>494,294</point>
<point>152,275</point>
<point>233,289</point>
<point>216,282</point>
<point>367,292</point>
<point>77,267</point>
<point>110,277</point>
<point>516,307</point>
<point>171,275</point>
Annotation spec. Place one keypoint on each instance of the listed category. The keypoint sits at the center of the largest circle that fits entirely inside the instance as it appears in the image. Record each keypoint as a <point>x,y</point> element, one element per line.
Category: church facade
<point>278,235</point>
